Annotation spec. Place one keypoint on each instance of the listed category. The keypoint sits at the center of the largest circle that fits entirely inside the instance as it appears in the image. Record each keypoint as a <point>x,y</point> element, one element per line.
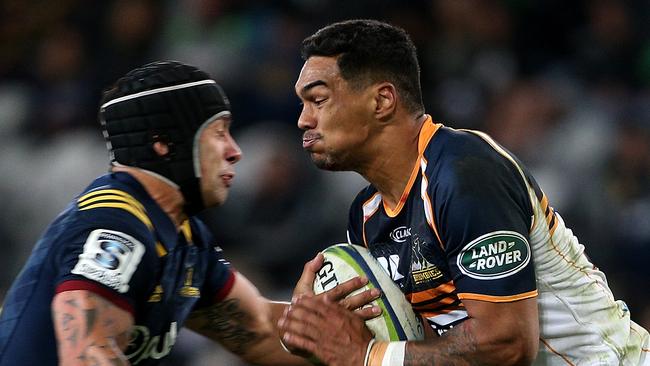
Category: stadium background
<point>563,84</point>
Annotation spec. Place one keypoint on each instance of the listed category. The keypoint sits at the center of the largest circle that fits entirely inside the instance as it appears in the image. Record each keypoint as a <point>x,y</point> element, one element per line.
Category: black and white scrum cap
<point>165,101</point>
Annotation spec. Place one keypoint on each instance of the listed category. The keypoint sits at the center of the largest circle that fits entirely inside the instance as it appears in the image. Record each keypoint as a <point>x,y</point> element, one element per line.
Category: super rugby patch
<point>495,255</point>
<point>110,258</point>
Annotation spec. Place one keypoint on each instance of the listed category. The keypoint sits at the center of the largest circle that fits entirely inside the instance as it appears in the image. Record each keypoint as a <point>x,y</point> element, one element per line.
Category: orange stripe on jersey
<point>426,133</point>
<point>432,302</point>
<point>392,212</point>
<point>553,225</point>
<point>544,202</point>
<point>445,304</point>
<point>443,290</point>
<point>431,314</point>
<point>489,298</point>
<point>551,218</point>
<point>556,352</point>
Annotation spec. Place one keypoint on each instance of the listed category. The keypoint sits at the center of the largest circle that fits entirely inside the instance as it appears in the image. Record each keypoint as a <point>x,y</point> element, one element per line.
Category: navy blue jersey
<point>114,240</point>
<point>459,231</point>
<point>472,224</point>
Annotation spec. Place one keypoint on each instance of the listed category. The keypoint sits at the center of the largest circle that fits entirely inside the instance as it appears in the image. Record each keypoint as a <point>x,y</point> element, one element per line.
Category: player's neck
<point>391,170</point>
<point>168,197</point>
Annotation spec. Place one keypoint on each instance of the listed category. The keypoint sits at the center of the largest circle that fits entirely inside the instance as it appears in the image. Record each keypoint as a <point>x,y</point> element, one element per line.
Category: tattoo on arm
<point>227,322</point>
<point>90,330</point>
<point>90,320</point>
<point>453,348</point>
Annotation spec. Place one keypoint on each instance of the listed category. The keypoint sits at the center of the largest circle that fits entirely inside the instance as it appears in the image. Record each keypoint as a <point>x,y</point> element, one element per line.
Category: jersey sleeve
<point>355,222</point>
<point>483,214</point>
<point>219,275</point>
<point>108,251</point>
<point>355,219</point>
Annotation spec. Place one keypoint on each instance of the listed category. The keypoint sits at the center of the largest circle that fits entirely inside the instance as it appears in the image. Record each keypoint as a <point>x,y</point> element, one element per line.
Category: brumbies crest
<point>495,255</point>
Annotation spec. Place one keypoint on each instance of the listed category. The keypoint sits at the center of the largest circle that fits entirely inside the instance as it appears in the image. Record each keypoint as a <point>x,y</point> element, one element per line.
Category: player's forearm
<point>463,345</point>
<point>245,323</point>
<point>93,355</point>
<point>247,332</point>
<point>269,350</point>
<point>229,323</point>
<point>277,310</point>
<point>89,330</point>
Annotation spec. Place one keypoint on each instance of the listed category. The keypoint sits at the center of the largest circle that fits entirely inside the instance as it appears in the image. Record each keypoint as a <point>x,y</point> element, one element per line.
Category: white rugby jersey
<point>472,223</point>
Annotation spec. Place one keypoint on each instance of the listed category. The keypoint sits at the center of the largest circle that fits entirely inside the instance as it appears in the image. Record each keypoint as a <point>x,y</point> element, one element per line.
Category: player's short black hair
<point>370,51</point>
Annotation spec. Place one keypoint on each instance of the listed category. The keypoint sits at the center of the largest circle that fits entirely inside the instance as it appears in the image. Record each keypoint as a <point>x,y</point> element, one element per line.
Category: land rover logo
<point>494,255</point>
<point>400,234</point>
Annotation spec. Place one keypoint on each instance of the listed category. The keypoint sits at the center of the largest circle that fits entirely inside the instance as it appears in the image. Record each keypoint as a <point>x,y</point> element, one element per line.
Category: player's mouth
<point>227,179</point>
<point>309,139</point>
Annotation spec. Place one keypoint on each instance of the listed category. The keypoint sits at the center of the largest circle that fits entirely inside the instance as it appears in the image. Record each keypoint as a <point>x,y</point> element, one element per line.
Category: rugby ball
<point>397,321</point>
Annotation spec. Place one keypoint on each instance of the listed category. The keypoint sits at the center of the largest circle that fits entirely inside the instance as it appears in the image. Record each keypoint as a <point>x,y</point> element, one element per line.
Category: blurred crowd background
<point>565,85</point>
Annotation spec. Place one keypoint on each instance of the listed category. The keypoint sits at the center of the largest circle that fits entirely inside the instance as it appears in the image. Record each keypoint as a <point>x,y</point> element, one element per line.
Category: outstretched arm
<point>242,322</point>
<point>245,322</point>
<point>90,330</point>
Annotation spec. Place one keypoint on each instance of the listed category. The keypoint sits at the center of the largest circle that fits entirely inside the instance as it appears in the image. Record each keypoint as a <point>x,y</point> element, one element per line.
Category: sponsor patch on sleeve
<point>110,258</point>
<point>494,255</point>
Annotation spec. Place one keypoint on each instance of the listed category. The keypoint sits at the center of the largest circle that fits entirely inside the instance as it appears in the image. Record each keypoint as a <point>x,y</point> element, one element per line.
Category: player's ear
<point>162,145</point>
<point>160,148</point>
<point>385,100</point>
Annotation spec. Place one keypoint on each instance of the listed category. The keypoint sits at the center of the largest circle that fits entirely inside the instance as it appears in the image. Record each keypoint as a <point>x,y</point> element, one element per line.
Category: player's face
<point>334,116</point>
<point>218,152</point>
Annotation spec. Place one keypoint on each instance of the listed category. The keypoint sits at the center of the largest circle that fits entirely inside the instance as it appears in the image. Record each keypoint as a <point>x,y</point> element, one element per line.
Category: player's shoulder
<point>114,184</point>
<point>452,143</point>
<point>462,154</point>
<point>115,200</point>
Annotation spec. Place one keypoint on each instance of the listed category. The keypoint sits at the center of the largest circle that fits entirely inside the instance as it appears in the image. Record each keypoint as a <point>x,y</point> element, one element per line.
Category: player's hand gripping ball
<point>397,321</point>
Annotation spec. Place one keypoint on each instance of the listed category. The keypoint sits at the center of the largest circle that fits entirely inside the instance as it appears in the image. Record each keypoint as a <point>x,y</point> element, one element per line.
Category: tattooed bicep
<point>226,322</point>
<point>85,322</point>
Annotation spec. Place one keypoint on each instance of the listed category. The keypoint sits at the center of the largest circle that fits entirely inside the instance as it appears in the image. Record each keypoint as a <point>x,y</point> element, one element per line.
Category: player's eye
<point>319,101</point>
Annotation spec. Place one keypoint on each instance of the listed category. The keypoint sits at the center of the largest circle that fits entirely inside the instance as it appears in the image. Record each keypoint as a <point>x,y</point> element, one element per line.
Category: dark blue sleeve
<point>219,276</point>
<point>483,214</point>
<point>355,222</point>
<point>110,252</point>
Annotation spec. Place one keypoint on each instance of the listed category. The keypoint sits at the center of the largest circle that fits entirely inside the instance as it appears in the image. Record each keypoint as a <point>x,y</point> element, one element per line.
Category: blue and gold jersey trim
<point>114,198</point>
<point>118,199</point>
